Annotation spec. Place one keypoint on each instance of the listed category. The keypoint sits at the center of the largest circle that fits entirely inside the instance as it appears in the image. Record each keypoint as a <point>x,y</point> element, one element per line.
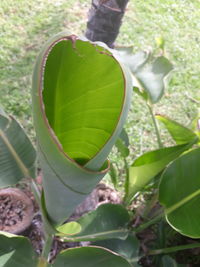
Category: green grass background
<point>26,25</point>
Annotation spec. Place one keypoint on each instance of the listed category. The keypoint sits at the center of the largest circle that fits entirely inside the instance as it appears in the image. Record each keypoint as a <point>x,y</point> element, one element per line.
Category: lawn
<point>26,25</point>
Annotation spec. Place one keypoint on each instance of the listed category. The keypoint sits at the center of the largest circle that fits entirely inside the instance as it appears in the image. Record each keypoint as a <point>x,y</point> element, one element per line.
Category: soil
<point>16,210</point>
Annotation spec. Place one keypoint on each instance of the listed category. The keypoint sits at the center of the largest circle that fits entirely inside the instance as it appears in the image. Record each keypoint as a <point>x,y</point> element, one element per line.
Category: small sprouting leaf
<point>160,41</point>
<point>179,133</point>
<point>179,193</point>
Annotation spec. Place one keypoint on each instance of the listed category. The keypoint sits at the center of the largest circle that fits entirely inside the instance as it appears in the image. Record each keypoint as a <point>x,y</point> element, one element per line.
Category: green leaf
<point>151,78</point>
<point>107,221</point>
<point>179,133</point>
<point>69,228</point>
<point>89,256</point>
<point>160,41</point>
<point>16,251</point>
<point>128,248</point>
<point>150,164</point>
<point>179,193</point>
<point>17,154</point>
<point>148,77</point>
<point>79,108</point>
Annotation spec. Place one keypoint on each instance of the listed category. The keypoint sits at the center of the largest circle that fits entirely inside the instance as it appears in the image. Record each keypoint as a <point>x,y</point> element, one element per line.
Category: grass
<point>26,25</point>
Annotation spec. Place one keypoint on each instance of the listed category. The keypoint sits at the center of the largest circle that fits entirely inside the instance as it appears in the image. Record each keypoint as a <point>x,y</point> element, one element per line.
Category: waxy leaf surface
<point>89,256</point>
<point>179,193</point>
<point>17,154</point>
<point>150,164</point>
<point>16,251</point>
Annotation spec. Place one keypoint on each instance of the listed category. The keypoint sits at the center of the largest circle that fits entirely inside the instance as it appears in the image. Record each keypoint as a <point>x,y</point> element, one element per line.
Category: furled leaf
<point>81,96</point>
<point>150,164</point>
<point>16,251</point>
<point>107,221</point>
<point>128,248</point>
<point>89,256</point>
<point>160,41</point>
<point>179,133</point>
<point>179,193</point>
<point>17,154</point>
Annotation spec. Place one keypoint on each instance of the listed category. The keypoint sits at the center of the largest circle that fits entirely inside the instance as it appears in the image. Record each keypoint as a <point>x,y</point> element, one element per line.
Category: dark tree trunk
<point>105,18</point>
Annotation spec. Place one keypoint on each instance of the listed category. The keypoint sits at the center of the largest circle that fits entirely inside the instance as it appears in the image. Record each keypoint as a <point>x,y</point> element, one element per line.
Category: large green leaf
<point>179,193</point>
<point>16,251</point>
<point>128,248</point>
<point>106,222</point>
<point>89,256</point>
<point>179,133</point>
<point>81,96</point>
<point>17,154</point>
<point>150,164</point>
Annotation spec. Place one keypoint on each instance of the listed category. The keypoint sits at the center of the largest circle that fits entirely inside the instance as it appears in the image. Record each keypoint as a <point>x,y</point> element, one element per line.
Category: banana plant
<point>81,95</point>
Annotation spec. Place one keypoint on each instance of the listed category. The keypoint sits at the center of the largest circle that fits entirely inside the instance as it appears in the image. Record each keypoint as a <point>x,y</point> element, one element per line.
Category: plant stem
<point>173,249</point>
<point>147,224</point>
<point>126,185</point>
<point>150,205</point>
<point>160,145</point>
<point>42,262</point>
<point>47,246</point>
<point>36,192</point>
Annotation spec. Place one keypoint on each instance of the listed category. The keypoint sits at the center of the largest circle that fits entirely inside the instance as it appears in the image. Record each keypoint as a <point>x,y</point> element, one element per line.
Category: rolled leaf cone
<point>81,95</point>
